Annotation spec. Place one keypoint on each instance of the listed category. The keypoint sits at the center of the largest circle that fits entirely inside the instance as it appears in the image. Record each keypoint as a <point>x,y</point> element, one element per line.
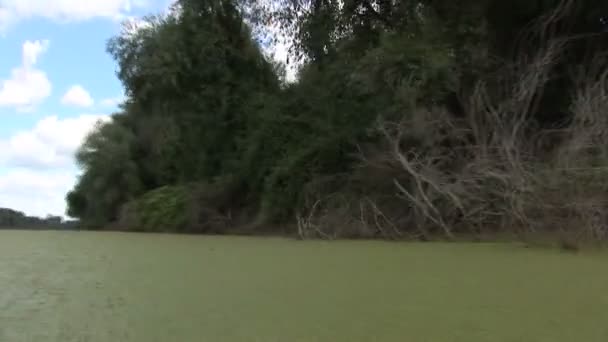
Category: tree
<point>110,176</point>
<point>208,111</point>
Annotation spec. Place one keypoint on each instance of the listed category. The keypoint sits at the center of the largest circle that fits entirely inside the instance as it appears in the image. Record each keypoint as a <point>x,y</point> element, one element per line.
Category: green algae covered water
<point>107,287</point>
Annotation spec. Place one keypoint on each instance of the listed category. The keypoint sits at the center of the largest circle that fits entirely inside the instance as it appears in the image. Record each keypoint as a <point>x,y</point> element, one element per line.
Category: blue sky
<point>56,81</point>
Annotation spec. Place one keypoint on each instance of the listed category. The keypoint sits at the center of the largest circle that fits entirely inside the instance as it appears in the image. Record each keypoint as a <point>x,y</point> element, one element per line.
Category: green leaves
<point>205,104</point>
<point>110,174</point>
<point>165,209</point>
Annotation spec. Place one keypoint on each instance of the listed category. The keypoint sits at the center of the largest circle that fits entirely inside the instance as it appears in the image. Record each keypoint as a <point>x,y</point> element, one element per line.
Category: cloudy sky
<point>56,81</point>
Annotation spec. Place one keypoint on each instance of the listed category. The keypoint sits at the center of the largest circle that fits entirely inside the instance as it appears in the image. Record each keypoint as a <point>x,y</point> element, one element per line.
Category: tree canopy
<point>210,118</point>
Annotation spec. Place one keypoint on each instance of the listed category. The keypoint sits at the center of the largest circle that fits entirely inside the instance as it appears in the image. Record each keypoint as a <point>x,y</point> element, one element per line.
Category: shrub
<point>192,208</point>
<point>160,210</point>
<point>489,170</point>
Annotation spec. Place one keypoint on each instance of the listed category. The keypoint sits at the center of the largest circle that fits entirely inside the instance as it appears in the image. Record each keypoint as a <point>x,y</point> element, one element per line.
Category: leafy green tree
<point>207,107</point>
<point>110,176</point>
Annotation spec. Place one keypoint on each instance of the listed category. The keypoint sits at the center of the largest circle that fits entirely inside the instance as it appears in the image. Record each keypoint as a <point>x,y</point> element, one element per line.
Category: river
<point>111,287</point>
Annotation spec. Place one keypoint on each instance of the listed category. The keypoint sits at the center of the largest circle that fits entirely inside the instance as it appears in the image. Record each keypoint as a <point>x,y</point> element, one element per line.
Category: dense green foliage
<point>211,128</point>
<point>162,209</point>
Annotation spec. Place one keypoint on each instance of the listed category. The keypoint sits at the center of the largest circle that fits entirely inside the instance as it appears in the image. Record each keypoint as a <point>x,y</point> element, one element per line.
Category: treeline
<point>407,119</point>
<point>12,219</point>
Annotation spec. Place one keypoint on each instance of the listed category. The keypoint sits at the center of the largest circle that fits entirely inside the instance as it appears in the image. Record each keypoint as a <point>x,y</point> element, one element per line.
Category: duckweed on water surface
<point>86,286</point>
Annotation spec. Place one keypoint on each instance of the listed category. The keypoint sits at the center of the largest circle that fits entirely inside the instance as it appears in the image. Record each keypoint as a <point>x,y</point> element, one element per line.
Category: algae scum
<point>83,286</point>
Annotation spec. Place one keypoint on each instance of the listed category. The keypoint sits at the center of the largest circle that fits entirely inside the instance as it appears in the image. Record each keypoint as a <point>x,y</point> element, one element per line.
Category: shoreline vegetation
<point>13,219</point>
<point>405,120</point>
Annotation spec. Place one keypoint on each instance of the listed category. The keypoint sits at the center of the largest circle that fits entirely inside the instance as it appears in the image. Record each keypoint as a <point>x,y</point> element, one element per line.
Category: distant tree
<point>12,219</point>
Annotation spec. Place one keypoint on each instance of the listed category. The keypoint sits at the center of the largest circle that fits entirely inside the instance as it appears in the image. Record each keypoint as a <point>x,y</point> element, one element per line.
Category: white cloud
<point>33,50</point>
<point>5,19</point>
<point>36,192</point>
<point>65,10</point>
<point>51,143</point>
<point>77,96</point>
<point>27,86</point>
<point>40,166</point>
<point>112,101</point>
